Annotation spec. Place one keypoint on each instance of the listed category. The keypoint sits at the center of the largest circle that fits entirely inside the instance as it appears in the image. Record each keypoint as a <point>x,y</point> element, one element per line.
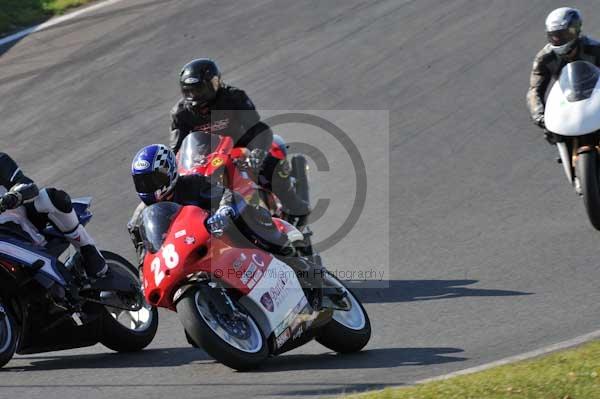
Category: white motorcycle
<point>573,113</point>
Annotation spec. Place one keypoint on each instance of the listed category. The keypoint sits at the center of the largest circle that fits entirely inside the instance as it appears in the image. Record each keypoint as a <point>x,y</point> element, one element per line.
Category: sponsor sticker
<point>248,273</point>
<point>258,259</point>
<point>180,233</point>
<point>239,262</point>
<point>191,81</point>
<point>189,240</point>
<point>141,164</point>
<point>267,302</point>
<point>216,162</point>
<point>251,284</point>
<point>283,338</point>
<point>257,276</point>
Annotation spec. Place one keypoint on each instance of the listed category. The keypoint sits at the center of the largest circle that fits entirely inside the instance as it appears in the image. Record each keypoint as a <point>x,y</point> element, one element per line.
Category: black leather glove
<point>256,158</point>
<point>10,200</point>
<point>539,121</point>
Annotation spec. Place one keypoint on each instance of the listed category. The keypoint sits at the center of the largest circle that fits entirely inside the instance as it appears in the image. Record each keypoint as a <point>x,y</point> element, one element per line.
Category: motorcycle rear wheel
<point>348,331</point>
<point>238,344</point>
<point>127,331</point>
<point>9,336</point>
<point>587,171</point>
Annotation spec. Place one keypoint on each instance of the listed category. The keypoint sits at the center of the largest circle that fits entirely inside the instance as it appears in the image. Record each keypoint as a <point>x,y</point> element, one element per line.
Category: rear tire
<point>124,331</point>
<point>344,336</point>
<point>9,337</point>
<point>194,311</point>
<point>587,170</point>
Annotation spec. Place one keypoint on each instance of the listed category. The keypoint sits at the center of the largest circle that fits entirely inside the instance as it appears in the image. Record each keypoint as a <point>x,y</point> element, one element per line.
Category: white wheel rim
<point>137,321</point>
<point>252,344</point>
<point>354,318</point>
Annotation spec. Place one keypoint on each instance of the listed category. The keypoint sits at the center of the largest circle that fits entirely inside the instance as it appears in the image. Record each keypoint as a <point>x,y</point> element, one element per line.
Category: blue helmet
<point>154,171</point>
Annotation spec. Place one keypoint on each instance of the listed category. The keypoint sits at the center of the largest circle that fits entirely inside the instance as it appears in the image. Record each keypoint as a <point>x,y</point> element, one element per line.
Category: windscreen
<point>578,80</point>
<point>156,220</point>
<point>195,148</point>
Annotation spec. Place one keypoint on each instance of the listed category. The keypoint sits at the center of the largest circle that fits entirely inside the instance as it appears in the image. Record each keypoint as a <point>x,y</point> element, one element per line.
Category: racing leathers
<point>546,69</point>
<point>24,205</point>
<point>233,114</point>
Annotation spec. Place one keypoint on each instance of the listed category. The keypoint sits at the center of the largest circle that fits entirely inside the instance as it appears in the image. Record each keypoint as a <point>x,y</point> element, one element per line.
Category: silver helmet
<point>563,27</point>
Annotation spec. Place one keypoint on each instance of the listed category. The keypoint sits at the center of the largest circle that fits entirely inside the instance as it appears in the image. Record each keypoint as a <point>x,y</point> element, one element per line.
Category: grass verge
<point>20,14</point>
<point>570,374</point>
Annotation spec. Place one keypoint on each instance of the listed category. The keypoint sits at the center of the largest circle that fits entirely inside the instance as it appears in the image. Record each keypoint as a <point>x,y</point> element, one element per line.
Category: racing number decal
<point>171,258</point>
<point>158,274</point>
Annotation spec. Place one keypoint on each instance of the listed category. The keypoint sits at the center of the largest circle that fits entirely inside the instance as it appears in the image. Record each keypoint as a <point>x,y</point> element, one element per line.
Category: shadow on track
<point>166,357</point>
<point>421,290</point>
<point>368,359</point>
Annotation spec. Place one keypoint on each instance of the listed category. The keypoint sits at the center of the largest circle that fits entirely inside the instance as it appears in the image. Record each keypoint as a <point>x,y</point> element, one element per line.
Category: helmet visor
<point>148,183</point>
<point>200,92</point>
<point>561,37</point>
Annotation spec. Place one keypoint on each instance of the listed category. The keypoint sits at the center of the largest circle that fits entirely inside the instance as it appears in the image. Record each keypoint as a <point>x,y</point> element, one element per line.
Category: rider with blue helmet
<point>154,172</point>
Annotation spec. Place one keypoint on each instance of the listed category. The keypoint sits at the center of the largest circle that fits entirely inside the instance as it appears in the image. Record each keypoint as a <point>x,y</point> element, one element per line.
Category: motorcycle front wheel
<point>232,339</point>
<point>587,172</point>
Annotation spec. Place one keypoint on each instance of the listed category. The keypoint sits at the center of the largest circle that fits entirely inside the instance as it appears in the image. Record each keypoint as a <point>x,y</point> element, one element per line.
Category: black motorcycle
<point>47,305</point>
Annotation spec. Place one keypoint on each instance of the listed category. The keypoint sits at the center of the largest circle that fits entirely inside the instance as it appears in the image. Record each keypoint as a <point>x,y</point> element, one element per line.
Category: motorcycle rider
<point>209,105</point>
<point>565,44</point>
<point>23,204</point>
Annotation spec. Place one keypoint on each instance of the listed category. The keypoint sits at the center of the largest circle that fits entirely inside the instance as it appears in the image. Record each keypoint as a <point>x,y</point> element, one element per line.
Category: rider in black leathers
<point>209,105</point>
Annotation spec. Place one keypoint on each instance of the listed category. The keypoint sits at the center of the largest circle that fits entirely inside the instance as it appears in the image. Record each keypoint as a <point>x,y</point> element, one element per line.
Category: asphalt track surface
<point>490,251</point>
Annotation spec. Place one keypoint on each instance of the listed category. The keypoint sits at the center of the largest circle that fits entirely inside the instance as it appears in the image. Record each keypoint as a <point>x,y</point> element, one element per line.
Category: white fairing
<point>572,118</point>
<point>281,285</point>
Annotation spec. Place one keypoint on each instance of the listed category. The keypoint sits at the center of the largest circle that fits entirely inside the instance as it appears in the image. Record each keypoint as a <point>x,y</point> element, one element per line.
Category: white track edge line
<point>55,21</point>
<point>524,356</point>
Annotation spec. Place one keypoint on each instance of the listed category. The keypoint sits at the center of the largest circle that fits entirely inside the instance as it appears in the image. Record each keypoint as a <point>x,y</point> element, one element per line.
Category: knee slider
<point>60,200</point>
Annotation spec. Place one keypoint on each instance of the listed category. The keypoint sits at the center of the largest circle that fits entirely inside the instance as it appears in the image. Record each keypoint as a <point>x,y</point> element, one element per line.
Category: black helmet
<point>563,28</point>
<point>196,81</point>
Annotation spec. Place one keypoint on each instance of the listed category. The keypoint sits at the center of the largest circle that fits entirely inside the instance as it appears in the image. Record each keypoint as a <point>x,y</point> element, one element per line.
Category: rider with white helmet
<point>565,44</point>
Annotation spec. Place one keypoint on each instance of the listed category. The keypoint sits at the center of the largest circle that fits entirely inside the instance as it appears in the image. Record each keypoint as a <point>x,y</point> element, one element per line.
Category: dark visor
<point>561,37</point>
<point>199,92</point>
<point>150,182</point>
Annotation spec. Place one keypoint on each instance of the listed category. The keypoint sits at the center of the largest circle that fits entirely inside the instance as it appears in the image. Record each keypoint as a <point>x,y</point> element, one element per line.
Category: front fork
<point>569,151</point>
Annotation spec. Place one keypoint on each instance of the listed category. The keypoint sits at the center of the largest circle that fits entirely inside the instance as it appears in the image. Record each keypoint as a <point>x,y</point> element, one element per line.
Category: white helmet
<point>563,27</point>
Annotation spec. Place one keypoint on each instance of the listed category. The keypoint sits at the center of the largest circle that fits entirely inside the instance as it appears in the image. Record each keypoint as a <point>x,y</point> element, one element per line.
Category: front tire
<point>238,344</point>
<point>348,331</point>
<point>9,336</point>
<point>123,330</point>
<point>587,171</point>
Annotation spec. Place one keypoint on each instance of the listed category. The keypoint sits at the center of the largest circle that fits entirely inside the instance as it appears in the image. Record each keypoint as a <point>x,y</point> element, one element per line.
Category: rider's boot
<point>94,263</point>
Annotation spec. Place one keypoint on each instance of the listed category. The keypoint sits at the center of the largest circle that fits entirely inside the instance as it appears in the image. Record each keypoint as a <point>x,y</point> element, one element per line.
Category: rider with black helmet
<point>211,106</point>
<point>565,44</point>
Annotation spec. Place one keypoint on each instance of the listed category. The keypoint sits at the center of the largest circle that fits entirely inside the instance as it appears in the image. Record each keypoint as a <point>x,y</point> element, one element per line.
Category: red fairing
<point>187,249</point>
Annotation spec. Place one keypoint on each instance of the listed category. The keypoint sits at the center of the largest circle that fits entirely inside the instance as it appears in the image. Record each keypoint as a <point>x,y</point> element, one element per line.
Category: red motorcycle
<point>237,301</point>
<point>215,155</point>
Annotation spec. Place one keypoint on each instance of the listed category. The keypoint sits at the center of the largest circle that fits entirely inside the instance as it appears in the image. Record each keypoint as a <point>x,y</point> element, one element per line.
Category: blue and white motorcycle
<point>47,305</point>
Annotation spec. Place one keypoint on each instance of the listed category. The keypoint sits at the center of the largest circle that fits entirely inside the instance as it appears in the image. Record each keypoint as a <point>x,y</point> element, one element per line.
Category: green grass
<point>572,374</point>
<point>18,14</point>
